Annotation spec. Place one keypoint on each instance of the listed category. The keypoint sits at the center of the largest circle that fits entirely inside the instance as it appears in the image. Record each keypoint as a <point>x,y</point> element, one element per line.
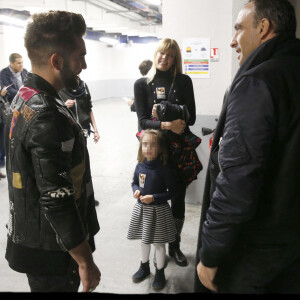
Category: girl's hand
<point>137,194</point>
<point>154,113</point>
<point>177,126</point>
<point>96,136</point>
<point>69,103</point>
<point>147,199</point>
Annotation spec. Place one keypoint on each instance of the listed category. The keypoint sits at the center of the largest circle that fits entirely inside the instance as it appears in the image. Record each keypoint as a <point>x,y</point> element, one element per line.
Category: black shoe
<point>159,280</point>
<point>96,203</point>
<point>175,252</point>
<point>142,273</point>
<point>2,175</point>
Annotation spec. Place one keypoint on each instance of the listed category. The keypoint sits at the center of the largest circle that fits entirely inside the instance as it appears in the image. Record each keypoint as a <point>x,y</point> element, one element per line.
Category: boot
<point>142,273</point>
<point>159,280</point>
<point>174,247</point>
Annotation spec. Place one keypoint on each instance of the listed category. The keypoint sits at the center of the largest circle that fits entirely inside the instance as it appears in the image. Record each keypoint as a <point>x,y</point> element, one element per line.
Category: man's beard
<point>70,79</point>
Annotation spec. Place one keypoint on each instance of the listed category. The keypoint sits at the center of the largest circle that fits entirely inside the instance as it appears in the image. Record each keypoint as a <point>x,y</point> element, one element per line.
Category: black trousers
<point>178,202</point>
<point>68,282</point>
<point>2,146</point>
<point>268,270</point>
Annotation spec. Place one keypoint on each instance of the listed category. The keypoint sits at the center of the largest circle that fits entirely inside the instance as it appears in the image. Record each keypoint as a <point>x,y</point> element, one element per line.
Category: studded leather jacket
<point>45,171</point>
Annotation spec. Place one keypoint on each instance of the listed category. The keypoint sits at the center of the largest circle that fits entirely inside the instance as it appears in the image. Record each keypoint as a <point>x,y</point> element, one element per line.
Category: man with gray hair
<point>250,226</point>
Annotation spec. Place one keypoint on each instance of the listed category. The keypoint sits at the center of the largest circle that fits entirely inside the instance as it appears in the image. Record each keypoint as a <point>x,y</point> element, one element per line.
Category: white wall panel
<point>209,19</point>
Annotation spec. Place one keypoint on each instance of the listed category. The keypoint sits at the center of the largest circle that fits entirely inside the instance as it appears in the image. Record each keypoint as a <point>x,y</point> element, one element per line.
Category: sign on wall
<point>196,57</point>
<point>214,54</point>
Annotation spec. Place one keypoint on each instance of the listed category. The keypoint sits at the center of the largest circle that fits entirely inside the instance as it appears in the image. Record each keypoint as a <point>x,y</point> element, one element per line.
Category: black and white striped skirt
<point>152,224</point>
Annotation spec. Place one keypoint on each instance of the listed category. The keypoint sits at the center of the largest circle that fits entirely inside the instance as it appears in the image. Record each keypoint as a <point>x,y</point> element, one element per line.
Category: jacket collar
<point>40,84</point>
<point>279,45</point>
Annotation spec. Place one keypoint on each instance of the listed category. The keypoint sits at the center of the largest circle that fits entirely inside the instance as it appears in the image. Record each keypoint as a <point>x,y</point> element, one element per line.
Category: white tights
<point>160,253</point>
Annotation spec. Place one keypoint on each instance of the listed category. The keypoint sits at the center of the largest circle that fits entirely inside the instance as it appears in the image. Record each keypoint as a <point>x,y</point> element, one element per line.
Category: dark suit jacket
<point>7,78</point>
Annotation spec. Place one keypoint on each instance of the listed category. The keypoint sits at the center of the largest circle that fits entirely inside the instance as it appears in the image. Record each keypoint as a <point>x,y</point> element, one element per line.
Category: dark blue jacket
<point>7,78</point>
<point>252,195</point>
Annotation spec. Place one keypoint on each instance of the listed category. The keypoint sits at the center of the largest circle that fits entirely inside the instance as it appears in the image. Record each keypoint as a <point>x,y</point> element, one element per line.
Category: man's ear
<point>56,61</point>
<point>266,30</point>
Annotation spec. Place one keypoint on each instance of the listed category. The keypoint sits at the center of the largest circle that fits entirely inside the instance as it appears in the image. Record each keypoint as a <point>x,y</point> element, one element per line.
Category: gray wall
<point>117,88</point>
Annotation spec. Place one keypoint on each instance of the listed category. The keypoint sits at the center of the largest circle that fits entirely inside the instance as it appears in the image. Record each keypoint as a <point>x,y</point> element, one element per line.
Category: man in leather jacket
<point>250,226</point>
<point>51,223</point>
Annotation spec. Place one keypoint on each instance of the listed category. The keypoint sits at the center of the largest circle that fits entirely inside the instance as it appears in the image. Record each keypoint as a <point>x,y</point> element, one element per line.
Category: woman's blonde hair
<point>164,45</point>
<point>161,142</point>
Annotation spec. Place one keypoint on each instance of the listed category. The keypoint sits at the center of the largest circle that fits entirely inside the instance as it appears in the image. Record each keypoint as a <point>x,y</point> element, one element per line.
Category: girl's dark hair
<point>161,141</point>
<point>280,13</point>
<point>52,32</point>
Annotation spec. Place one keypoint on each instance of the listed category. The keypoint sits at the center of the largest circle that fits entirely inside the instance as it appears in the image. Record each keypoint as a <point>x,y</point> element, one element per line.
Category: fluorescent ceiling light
<point>109,40</point>
<point>154,2</point>
<point>13,21</point>
<point>110,28</point>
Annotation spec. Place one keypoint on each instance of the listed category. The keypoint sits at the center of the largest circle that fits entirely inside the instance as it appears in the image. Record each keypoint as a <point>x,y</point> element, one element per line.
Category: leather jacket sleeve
<point>53,160</point>
<point>244,149</point>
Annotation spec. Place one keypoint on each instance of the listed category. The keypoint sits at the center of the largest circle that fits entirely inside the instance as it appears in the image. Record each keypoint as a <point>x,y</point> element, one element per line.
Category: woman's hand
<point>154,113</point>
<point>147,199</point>
<point>177,126</point>
<point>96,136</point>
<point>70,103</point>
<point>137,194</point>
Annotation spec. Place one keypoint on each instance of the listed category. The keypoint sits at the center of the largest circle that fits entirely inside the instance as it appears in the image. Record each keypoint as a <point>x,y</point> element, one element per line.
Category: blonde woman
<point>167,83</point>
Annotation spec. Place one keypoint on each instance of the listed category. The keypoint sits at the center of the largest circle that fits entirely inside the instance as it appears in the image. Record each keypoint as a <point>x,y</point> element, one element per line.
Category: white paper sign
<point>196,57</point>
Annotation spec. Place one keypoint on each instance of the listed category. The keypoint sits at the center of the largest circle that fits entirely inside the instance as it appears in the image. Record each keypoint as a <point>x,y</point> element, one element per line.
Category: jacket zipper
<point>220,144</point>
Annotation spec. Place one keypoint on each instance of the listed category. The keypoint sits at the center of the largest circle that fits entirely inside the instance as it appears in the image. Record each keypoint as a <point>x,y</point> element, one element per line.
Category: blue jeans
<point>2,145</point>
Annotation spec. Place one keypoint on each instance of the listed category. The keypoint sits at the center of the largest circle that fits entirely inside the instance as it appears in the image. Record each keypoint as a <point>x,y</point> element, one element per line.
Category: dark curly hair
<point>280,13</point>
<point>52,32</point>
<point>145,66</point>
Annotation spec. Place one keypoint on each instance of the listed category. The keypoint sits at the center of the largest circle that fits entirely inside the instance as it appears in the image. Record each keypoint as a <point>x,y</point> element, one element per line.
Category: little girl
<point>152,221</point>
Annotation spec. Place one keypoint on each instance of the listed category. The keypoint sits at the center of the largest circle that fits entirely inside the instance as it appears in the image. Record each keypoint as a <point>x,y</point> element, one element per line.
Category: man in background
<point>12,77</point>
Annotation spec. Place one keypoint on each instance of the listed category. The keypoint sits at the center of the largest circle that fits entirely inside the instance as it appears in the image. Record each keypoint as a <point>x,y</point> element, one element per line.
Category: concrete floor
<point>113,161</point>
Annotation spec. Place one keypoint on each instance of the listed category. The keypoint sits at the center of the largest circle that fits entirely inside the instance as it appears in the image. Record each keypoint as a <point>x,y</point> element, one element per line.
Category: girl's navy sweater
<point>159,181</point>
